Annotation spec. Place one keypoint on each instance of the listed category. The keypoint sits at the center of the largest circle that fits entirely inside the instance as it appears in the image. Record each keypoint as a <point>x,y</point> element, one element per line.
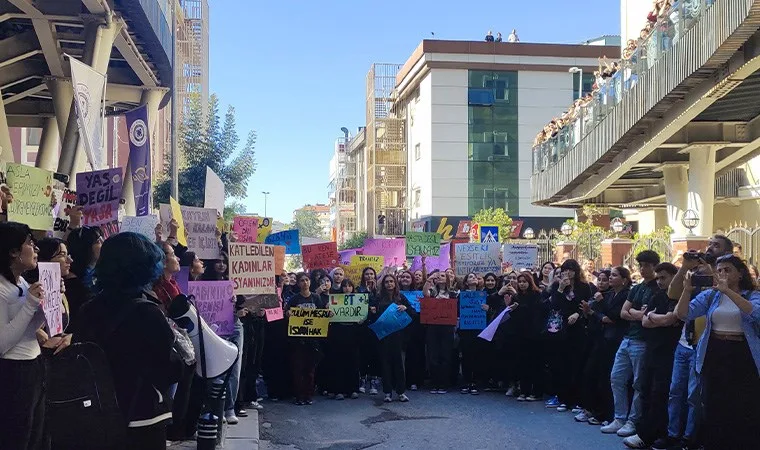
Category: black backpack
<point>82,410</point>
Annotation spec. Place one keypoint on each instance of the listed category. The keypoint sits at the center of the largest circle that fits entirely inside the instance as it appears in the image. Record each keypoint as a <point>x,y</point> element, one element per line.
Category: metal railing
<point>668,30</point>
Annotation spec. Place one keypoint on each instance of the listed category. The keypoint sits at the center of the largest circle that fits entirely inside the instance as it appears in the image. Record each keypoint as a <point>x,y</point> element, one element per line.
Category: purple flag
<point>139,158</point>
<point>441,262</point>
<point>99,194</point>
<point>490,330</point>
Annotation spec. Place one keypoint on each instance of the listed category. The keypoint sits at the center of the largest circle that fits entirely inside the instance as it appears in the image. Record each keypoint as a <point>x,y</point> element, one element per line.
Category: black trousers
<point>369,356</point>
<point>275,360</point>
<point>440,346</point>
<point>253,351</point>
<point>392,363</point>
<point>184,416</point>
<point>342,359</point>
<point>565,365</point>
<point>731,389</point>
<point>147,438</point>
<point>531,367</point>
<point>472,356</point>
<point>509,359</point>
<point>658,371</point>
<point>596,391</point>
<point>22,399</point>
<point>415,354</point>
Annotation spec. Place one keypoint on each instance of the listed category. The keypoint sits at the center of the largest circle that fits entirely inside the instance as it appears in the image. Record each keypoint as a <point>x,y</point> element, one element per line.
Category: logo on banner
<point>140,175</point>
<point>83,98</point>
<point>138,133</point>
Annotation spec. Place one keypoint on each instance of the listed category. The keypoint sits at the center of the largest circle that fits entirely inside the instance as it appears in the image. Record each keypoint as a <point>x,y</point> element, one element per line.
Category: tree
<point>307,222</point>
<point>355,241</point>
<point>658,240</point>
<point>206,143</point>
<point>587,236</point>
<point>495,216</point>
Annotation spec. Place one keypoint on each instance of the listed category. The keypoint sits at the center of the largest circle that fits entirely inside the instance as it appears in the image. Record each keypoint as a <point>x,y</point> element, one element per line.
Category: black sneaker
<point>665,443</point>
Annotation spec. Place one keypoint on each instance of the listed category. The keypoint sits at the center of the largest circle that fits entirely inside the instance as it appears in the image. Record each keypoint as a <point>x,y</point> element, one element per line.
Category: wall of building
<point>419,150</point>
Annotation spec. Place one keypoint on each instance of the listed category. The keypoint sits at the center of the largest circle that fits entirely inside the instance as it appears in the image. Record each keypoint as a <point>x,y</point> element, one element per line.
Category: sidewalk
<point>243,436</point>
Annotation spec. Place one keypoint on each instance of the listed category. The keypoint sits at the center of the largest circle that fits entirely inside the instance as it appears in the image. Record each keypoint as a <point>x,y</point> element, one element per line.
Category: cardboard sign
<point>246,228</point>
<point>471,314</point>
<point>489,332</point>
<point>265,228</point>
<point>308,323</point>
<point>274,314</point>
<point>442,262</point>
<point>175,212</point>
<point>279,259</point>
<point>349,308</point>
<point>52,304</point>
<point>200,224</point>
<point>353,273</point>
<point>414,298</point>
<point>362,261</point>
<point>393,251</point>
<point>99,194</point>
<point>290,239</point>
<point>428,244</point>
<point>521,256</point>
<point>252,268</point>
<point>67,199</point>
<point>478,258</point>
<point>438,311</point>
<point>214,192</point>
<point>215,301</point>
<point>320,256</point>
<point>390,321</point>
<point>183,279</point>
<point>345,255</point>
<point>31,189</point>
<point>145,225</point>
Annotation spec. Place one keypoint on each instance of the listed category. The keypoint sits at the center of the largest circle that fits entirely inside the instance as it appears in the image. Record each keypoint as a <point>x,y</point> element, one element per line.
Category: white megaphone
<point>219,354</point>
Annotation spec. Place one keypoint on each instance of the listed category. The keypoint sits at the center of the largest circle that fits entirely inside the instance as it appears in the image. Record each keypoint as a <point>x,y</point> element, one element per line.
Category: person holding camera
<point>728,353</point>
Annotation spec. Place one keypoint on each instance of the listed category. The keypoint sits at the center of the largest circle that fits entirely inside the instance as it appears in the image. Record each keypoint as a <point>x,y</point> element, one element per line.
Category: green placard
<point>349,308</point>
<point>31,188</point>
<point>419,243</point>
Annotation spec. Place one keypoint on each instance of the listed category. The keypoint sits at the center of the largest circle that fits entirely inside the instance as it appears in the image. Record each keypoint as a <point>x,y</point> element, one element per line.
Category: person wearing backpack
<point>126,321</point>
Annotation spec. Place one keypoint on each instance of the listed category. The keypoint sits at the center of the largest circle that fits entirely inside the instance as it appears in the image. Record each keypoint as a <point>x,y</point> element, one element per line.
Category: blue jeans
<point>233,385</point>
<point>684,393</point>
<point>629,363</point>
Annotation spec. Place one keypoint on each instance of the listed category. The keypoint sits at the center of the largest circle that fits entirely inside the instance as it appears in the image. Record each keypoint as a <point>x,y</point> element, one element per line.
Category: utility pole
<point>266,193</point>
<point>174,150</point>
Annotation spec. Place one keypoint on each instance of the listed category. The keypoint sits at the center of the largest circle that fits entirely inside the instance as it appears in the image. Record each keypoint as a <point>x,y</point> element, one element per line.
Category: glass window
<point>33,136</point>
<point>417,198</point>
<point>417,152</point>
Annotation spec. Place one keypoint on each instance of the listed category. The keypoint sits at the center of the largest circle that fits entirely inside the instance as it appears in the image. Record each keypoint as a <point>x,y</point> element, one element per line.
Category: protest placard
<point>67,200</point>
<point>320,256</point>
<point>52,305</point>
<point>345,255</point>
<point>489,331</point>
<point>174,212</point>
<point>308,323</point>
<point>414,298</point>
<point>252,268</point>
<point>246,228</point>
<point>375,262</point>
<point>349,308</point>
<point>419,243</point>
<point>31,189</point>
<point>274,314</point>
<point>99,194</point>
<point>182,278</point>
<point>471,314</point>
<point>265,229</point>
<point>393,251</point>
<point>438,311</point>
<point>290,239</point>
<point>353,273</point>
<point>145,225</point>
<point>215,301</point>
<point>214,192</point>
<point>478,258</point>
<point>441,262</point>
<point>521,256</point>
<point>390,321</point>
<point>200,224</point>
<point>279,259</point>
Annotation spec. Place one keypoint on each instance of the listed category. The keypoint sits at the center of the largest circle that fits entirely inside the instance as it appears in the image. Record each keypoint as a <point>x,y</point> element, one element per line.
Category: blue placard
<point>290,239</point>
<point>390,321</point>
<point>471,315</point>
<point>414,298</point>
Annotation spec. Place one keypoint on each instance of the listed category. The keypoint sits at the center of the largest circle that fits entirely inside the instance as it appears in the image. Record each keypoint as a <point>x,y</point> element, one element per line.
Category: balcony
<point>696,55</point>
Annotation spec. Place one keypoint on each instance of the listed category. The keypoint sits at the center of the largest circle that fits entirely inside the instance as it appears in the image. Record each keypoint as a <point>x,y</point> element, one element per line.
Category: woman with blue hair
<point>126,321</point>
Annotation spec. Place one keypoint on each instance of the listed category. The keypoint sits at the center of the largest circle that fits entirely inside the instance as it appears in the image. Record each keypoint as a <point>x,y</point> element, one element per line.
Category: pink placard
<point>393,251</point>
<point>246,229</point>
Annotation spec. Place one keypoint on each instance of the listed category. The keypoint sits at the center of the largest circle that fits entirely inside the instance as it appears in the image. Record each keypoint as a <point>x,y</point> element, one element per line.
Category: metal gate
<point>749,239</point>
<point>662,246</point>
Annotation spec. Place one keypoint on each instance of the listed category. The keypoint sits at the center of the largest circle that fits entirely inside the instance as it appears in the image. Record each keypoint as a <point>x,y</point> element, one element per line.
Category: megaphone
<point>218,354</point>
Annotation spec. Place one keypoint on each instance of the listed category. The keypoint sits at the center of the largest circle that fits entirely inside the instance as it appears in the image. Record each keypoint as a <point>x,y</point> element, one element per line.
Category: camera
<point>694,254</point>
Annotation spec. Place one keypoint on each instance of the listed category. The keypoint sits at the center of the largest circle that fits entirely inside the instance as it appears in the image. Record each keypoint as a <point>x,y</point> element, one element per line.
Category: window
<point>417,152</point>
<point>417,198</point>
<point>588,84</point>
<point>33,136</point>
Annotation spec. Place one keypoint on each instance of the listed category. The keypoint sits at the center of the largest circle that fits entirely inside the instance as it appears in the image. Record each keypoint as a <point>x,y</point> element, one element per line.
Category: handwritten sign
<point>489,332</point>
<point>290,239</point>
<point>274,314</point>
<point>442,262</point>
<point>349,308</point>
<point>478,258</point>
<point>52,304</point>
<point>246,228</point>
<point>438,311</point>
<point>308,322</point>
<point>414,298</point>
<point>471,314</point>
<point>99,194</point>
<point>214,192</point>
<point>418,243</point>
<point>67,199</point>
<point>521,256</point>
<point>390,321</point>
<point>279,259</point>
<point>200,224</point>
<point>252,268</point>
<point>393,251</point>
<point>320,256</point>
<point>353,273</point>
<point>145,225</point>
<point>31,188</point>
<point>265,228</point>
<point>345,255</point>
<point>362,261</point>
<point>215,301</point>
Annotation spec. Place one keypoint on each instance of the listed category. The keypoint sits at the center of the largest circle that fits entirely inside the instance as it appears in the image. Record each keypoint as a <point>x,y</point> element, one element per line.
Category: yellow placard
<point>308,322</point>
<point>31,188</point>
<point>177,215</point>
<point>265,228</point>
<point>362,261</point>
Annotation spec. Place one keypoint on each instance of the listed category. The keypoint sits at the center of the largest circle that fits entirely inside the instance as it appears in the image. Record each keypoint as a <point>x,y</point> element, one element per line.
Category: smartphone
<point>702,281</point>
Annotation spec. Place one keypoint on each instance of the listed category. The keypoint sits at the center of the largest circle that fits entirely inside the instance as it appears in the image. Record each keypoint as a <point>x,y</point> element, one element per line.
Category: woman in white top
<point>22,371</point>
<point>728,354</point>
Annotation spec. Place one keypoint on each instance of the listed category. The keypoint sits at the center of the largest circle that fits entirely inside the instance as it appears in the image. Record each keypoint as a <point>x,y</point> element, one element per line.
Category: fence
<point>662,246</point>
<point>749,239</point>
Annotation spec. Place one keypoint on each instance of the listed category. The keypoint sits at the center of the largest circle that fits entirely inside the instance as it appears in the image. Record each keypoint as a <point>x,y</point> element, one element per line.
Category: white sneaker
<point>256,405</point>
<point>613,427</point>
<point>562,408</point>
<point>634,442</point>
<point>510,392</point>
<point>581,417</point>
<point>403,398</point>
<point>373,391</point>
<point>629,429</point>
<point>231,418</point>
<point>521,398</point>
<point>577,410</point>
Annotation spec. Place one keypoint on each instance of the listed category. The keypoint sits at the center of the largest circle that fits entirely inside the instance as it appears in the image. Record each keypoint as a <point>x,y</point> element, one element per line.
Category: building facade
<point>472,110</point>
<point>342,191</point>
<point>322,212</point>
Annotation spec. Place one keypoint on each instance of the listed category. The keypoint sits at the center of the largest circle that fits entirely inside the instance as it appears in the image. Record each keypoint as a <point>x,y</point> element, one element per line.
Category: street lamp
<point>690,220</point>
<point>579,71</point>
<point>528,233</point>
<point>566,229</point>
<point>266,193</point>
<point>617,225</point>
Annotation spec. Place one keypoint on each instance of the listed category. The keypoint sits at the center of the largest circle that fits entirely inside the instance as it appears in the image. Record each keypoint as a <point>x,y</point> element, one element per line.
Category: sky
<point>295,71</point>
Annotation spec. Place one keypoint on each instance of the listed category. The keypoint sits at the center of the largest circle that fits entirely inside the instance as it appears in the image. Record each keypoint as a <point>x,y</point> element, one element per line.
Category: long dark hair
<point>48,249</point>
<point>624,273</point>
<point>364,271</point>
<point>573,265</point>
<point>12,238</point>
<point>385,294</point>
<point>746,282</point>
<point>531,283</point>
<point>80,244</point>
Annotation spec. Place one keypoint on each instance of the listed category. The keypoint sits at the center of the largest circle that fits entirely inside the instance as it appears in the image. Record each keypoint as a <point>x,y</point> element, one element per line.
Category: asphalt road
<point>452,421</point>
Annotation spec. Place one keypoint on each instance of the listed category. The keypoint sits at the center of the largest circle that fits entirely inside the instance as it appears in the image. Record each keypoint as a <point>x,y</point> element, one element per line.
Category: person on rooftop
<point>489,36</point>
<point>513,36</point>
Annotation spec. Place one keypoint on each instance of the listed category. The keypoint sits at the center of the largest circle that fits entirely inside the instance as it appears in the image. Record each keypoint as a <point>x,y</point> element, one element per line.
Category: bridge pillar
<point>701,196</point>
<point>48,150</point>
<point>676,196</point>
<point>6,148</point>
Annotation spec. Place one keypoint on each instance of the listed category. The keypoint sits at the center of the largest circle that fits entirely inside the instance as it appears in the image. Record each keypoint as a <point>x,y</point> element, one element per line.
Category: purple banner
<point>432,263</point>
<point>392,250</point>
<point>345,255</point>
<point>99,193</point>
<point>215,301</point>
<point>489,332</point>
<point>139,158</point>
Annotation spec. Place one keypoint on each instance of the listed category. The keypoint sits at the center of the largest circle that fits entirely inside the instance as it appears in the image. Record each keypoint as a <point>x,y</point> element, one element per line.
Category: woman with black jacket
<point>530,316</point>
<point>275,364</point>
<point>392,346</point>
<point>369,356</point>
<point>439,338</point>
<point>496,305</point>
<point>507,333</point>
<point>415,338</point>
<point>342,359</point>
<point>472,350</point>
<point>603,315</point>
<point>567,331</point>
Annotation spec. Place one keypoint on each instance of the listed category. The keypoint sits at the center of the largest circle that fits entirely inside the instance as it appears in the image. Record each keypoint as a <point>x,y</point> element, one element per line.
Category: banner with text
<point>349,308</point>
<point>438,311</point>
<point>419,243</point>
<point>390,321</point>
<point>52,303</point>
<point>520,256</point>
<point>290,239</point>
<point>414,298</point>
<point>139,158</point>
<point>345,255</point>
<point>265,229</point>
<point>308,323</point>
<point>200,224</point>
<point>471,314</point>
<point>478,258</point>
<point>67,200</point>
<point>246,229</point>
<point>252,268</point>
<point>215,301</point>
<point>145,225</point>
<point>31,188</point>
<point>393,251</point>
<point>361,261</point>
<point>441,262</point>
<point>320,256</point>
<point>99,195</point>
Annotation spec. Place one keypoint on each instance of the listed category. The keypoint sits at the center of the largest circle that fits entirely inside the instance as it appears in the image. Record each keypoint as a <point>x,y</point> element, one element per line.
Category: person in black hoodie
<point>324,371</point>
<point>472,350</point>
<point>275,364</point>
<point>343,358</point>
<point>528,308</point>
<point>369,356</point>
<point>140,348</point>
<point>392,346</point>
<point>415,345</point>
<point>496,305</point>
<point>439,338</point>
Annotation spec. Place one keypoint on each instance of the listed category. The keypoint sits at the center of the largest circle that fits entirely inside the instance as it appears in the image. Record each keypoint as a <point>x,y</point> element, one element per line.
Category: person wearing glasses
<point>728,354</point>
